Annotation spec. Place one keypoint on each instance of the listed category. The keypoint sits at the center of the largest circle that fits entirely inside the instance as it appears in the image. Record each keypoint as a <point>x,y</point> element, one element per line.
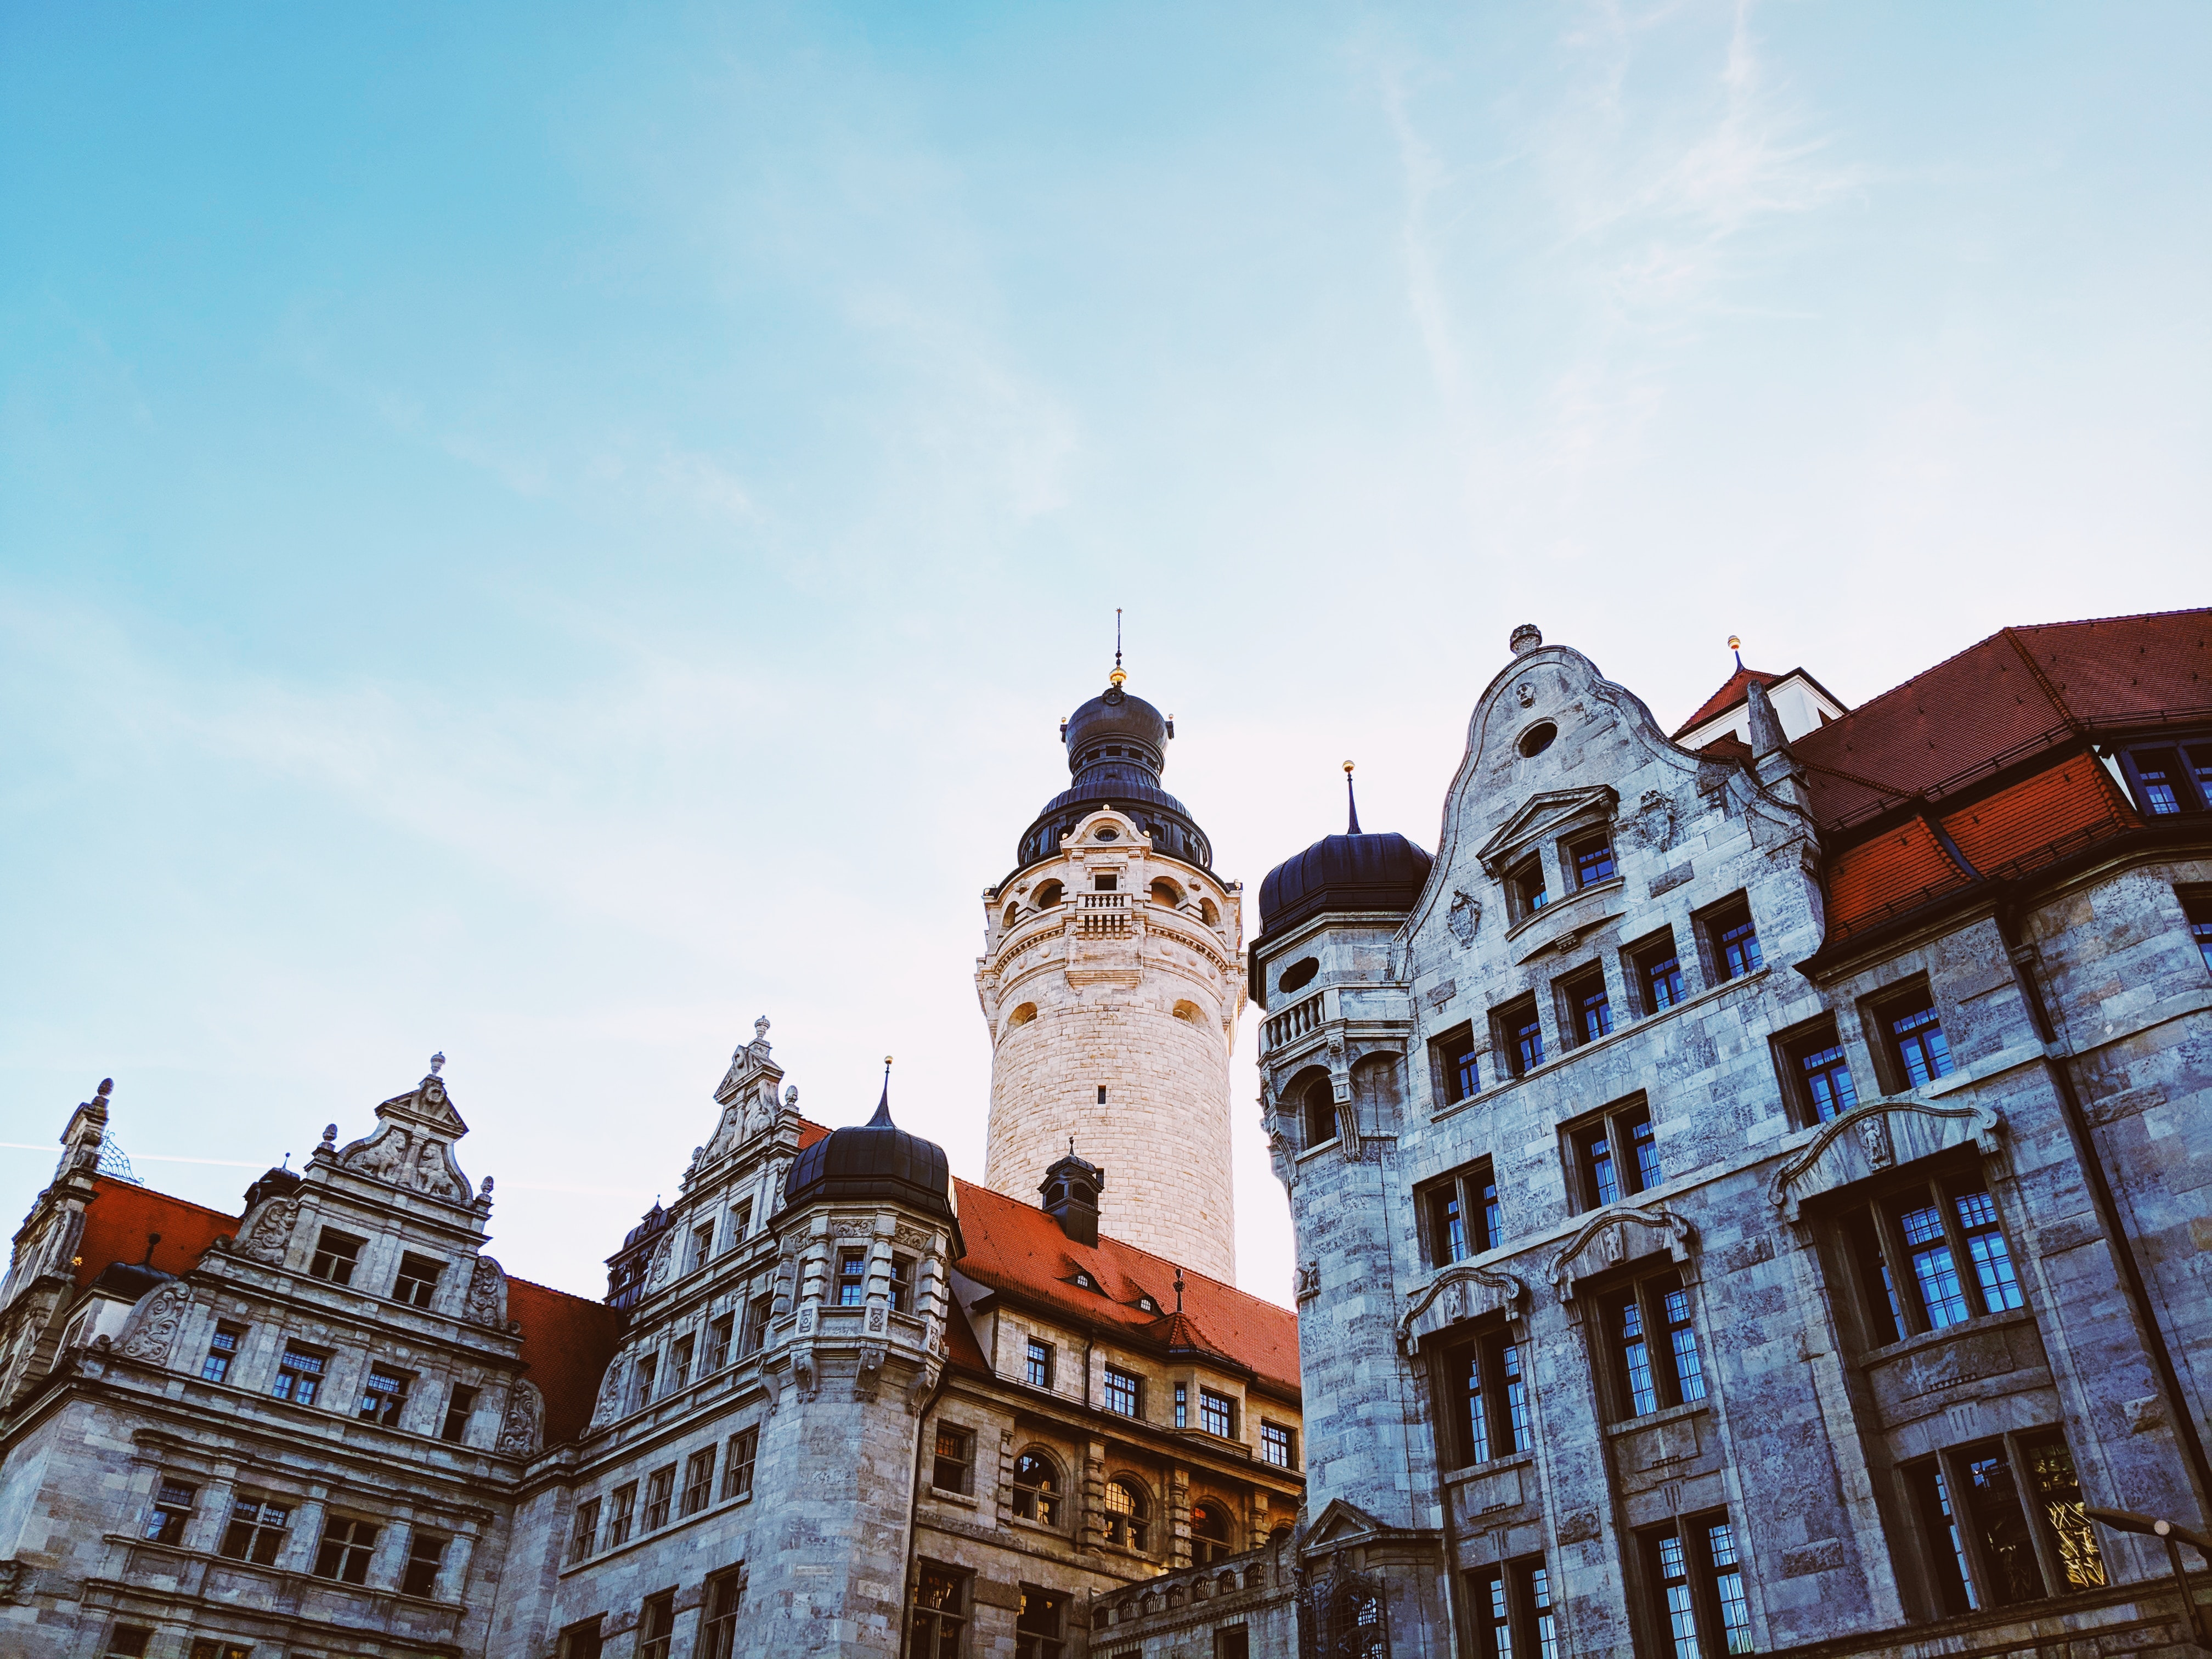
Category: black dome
<point>1116,751</point>
<point>1343,872</point>
<point>878,1160</point>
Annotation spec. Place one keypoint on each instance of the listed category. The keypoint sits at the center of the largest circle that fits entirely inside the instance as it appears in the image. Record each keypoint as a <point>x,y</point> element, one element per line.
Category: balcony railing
<point>1294,1022</point>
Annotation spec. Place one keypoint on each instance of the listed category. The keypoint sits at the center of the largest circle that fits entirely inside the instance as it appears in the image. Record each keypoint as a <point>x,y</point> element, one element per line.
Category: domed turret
<point>1352,872</point>
<point>877,1160</point>
<point>1116,751</point>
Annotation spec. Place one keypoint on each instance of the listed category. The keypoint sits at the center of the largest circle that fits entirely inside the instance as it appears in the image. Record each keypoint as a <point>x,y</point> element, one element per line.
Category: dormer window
<point>1148,1304</point>
<point>1084,1281</point>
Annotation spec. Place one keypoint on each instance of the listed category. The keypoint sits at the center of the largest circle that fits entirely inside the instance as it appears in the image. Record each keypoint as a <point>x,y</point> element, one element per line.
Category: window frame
<point>1456,1064</point>
<point>943,1622</point>
<point>1575,1000</point>
<point>1884,1010</point>
<point>1507,1030</point>
<point>411,1573</point>
<point>1040,1503</point>
<point>1527,889</point>
<point>961,1460</point>
<point>718,1607</point>
<point>1794,1050</point>
<point>460,1405</point>
<point>656,1624</point>
<point>721,1338</point>
<point>1872,1214</point>
<point>851,1281</point>
<point>1614,1126</point>
<point>1952,1528</point>
<point>342,1545</point>
<point>1039,1349</point>
<point>1715,922</point>
<point>1032,1644</point>
<point>1641,962</point>
<point>223,1345</point>
<point>1213,1407</point>
<point>383,1406</point>
<point>314,1370</point>
<point>2189,789</point>
<point>1471,1191</point>
<point>1648,1294</point>
<point>904,1281</point>
<point>659,1499</point>
<point>1516,1596</point>
<point>1275,1436</point>
<point>250,1525</point>
<point>1482,1389</point>
<point>1205,1548</point>
<point>411,1286</point>
<point>169,1511</point>
<point>334,1265</point>
<point>1114,1381</point>
<point>696,1491</point>
<point>622,1515</point>
<point>737,1465</point>
<point>1129,1529</point>
<point>1705,1598</point>
<point>1575,849</point>
<point>584,1532</point>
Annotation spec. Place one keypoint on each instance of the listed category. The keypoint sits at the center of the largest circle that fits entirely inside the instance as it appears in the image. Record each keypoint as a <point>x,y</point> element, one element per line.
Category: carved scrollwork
<point>522,1427</point>
<point>1461,1292</point>
<point>486,1303</point>
<point>154,1321</point>
<point>1464,917</point>
<point>664,1262</point>
<point>1877,1136</point>
<point>1612,1236</point>
<point>268,1233</point>
<point>602,1412</point>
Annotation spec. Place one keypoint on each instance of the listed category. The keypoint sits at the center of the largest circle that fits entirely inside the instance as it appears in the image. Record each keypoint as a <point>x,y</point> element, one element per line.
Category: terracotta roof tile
<point>122,1213</point>
<point>1017,1249</point>
<point>566,1341</point>
<point>2075,798</point>
<point>1733,691</point>
<point>1886,875</point>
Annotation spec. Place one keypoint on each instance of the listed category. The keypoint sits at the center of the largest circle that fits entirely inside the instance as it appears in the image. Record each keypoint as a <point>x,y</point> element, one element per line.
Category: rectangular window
<point>1041,1626</point>
<point>586,1535</point>
<point>719,1332</point>
<point>659,1489</point>
<point>852,1278</point>
<point>1653,1346</point>
<point>1514,1611</point>
<point>622,1515</point>
<point>1459,1071</point>
<point>1697,1575</point>
<point>1525,888</point>
<point>426,1553</point>
<point>1656,972</point>
<point>1915,1034</point>
<point>1520,1036</point>
<point>1123,1391</point>
<point>698,1480</point>
<point>1612,1155</point>
<point>1593,859</point>
<point>955,1460</point>
<point>1488,1399</point>
<point>172,1508</point>
<point>1216,1413</point>
<point>1731,939</point>
<point>128,1642</point>
<point>1181,1407</point>
<point>384,1396</point>
<point>758,1312</point>
<point>1459,1212</point>
<point>1234,1643</point>
<point>2197,909</point>
<point>648,1374</point>
<point>1995,1514</point>
<point>460,1404</point>
<point>418,1280</point>
<point>1946,1235</point>
<point>222,1349</point>
<point>2169,781</point>
<point>336,1254</point>
<point>737,1467</point>
<point>1277,1445</point>
<point>679,1364</point>
<point>717,1616</point>
<point>1817,1074</point>
<point>903,1283</point>
<point>741,1227</point>
<point>581,1640</point>
<point>298,1377</point>
<point>702,1245</point>
<point>256,1532</point>
<point>656,1624</point>
<point>209,1647</point>
<point>1585,1005</point>
<point>1038,1366</point>
<point>939,1613</point>
<point>345,1549</point>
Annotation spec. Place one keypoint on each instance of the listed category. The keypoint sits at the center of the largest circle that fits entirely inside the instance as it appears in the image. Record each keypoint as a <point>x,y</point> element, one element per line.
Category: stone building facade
<point>1751,1198</point>
<point>834,1400</point>
<point>1112,981</point>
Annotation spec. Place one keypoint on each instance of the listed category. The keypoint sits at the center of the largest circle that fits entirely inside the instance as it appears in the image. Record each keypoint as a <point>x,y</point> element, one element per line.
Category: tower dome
<point>875,1160</point>
<point>1352,872</point>
<point>1116,751</point>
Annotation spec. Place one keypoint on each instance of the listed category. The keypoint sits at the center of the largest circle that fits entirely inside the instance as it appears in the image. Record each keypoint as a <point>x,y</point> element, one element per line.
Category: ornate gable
<point>1542,817</point>
<point>412,1146</point>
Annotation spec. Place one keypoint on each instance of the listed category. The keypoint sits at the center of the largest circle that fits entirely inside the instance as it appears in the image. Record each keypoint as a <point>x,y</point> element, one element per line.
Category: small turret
<point>1071,1189</point>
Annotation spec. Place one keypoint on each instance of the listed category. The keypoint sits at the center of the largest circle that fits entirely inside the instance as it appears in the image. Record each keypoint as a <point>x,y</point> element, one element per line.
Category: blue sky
<point>546,533</point>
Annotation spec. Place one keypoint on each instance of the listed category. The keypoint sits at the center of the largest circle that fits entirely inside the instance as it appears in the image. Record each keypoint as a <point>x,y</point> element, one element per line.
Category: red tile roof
<point>2076,800</point>
<point>1017,1249</point>
<point>1887,875</point>
<point>1731,693</point>
<point>121,1215</point>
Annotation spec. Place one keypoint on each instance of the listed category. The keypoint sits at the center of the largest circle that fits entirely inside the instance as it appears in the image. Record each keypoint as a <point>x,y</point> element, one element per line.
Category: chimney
<point>1071,1189</point>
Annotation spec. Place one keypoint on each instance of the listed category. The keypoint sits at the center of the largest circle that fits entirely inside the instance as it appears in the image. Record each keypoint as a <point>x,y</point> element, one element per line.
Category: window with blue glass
<point>1734,940</point>
<point>1527,890</point>
<point>1460,1211</point>
<point>1921,1052</point>
<point>1928,1254</point>
<point>1514,1611</point>
<point>2196,907</point>
<point>1520,1036</point>
<point>1656,972</point>
<point>1612,1155</point>
<point>1592,859</point>
<point>1459,1070</point>
<point>1817,1073</point>
<point>1487,1396</point>
<point>1586,1005</point>
<point>1696,1569</point>
<point>1652,1342</point>
<point>2171,779</point>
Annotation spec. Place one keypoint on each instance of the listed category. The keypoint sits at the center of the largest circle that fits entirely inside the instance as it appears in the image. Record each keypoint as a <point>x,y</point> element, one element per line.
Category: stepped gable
<point>1017,1249</point>
<point>122,1213</point>
<point>567,1342</point>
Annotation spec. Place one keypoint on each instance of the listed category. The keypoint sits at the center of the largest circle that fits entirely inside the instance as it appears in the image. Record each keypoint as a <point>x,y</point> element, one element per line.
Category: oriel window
<point>1124,1391</point>
<point>1216,1413</point>
<point>1277,1445</point>
<point>903,1283</point>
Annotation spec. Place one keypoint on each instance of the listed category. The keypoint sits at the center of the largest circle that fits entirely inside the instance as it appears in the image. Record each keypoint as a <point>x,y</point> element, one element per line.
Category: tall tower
<point>1112,978</point>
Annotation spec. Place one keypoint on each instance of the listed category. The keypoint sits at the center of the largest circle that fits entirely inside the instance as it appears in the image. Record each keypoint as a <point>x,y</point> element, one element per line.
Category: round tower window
<point>1299,974</point>
<point>1107,832</point>
<point>1538,737</point>
<point>1022,1015</point>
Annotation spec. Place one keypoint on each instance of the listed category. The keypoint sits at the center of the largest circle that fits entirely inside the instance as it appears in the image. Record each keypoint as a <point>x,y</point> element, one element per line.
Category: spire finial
<point>882,1119</point>
<point>437,1062</point>
<point>1736,644</point>
<point>1178,1287</point>
<point>1117,675</point>
<point>1350,800</point>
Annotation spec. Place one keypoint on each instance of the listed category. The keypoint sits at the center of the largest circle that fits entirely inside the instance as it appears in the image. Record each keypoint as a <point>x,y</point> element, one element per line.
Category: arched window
<point>1280,1535</point>
<point>1128,1515</point>
<point>1209,1532</point>
<point>1209,913</point>
<point>1320,1112</point>
<point>1036,1488</point>
<point>1022,1015</point>
<point>1166,892</point>
<point>1012,910</point>
<point>1048,894</point>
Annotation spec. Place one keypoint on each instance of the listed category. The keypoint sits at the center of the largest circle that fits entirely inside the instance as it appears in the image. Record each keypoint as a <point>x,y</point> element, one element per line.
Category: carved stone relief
<point>1655,820</point>
<point>154,1321</point>
<point>487,1304</point>
<point>602,1412</point>
<point>1308,1279</point>
<point>1464,917</point>
<point>522,1428</point>
<point>399,1156</point>
<point>1612,1236</point>
<point>1459,1292</point>
<point>269,1234</point>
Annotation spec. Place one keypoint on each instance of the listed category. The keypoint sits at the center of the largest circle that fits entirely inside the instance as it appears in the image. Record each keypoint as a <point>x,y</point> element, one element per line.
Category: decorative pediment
<point>1877,1136</point>
<point>410,1158</point>
<point>749,1064</point>
<point>1461,1292</point>
<point>1542,817</point>
<point>1620,1233</point>
<point>1341,1523</point>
